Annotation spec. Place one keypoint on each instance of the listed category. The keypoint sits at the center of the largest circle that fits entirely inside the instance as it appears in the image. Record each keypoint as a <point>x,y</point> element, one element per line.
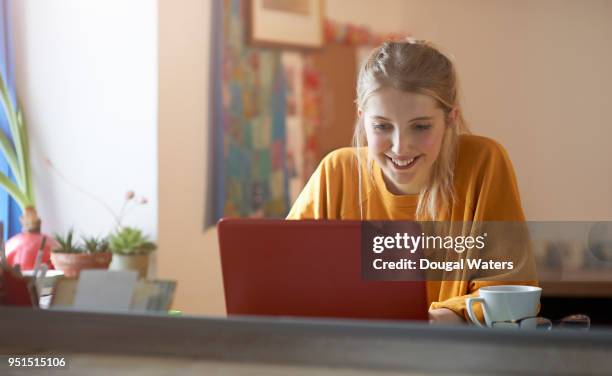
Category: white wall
<point>86,74</point>
<point>187,253</point>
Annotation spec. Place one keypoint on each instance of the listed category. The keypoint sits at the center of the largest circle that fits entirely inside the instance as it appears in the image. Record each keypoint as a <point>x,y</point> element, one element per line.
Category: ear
<point>359,112</point>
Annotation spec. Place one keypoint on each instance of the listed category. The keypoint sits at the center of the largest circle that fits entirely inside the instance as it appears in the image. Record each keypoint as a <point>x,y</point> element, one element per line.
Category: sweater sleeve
<point>496,195</point>
<point>457,303</point>
<point>495,201</point>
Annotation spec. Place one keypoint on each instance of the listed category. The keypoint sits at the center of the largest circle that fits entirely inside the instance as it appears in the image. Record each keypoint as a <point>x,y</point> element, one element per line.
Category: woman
<point>413,159</point>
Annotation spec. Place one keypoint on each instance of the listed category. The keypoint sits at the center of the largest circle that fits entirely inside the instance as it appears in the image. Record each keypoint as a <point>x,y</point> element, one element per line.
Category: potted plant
<point>71,257</point>
<point>131,250</point>
<point>22,248</point>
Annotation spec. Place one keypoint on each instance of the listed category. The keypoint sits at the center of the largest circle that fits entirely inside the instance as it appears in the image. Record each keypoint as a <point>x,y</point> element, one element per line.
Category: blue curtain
<point>9,210</point>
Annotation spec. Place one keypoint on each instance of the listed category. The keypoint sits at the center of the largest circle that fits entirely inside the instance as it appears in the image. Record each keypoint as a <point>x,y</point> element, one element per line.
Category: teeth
<point>402,163</point>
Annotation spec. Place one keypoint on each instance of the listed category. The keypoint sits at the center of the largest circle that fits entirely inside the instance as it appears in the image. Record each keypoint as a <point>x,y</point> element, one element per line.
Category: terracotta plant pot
<point>72,263</point>
<point>140,263</point>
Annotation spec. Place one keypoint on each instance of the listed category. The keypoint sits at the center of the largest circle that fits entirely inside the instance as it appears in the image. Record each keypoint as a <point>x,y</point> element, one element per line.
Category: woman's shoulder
<point>345,166</point>
<point>485,180</point>
<point>473,148</point>
<point>342,157</point>
<point>478,143</point>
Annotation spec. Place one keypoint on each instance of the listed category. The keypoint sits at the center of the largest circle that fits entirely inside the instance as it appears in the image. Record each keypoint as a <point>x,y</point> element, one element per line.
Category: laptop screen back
<point>307,268</point>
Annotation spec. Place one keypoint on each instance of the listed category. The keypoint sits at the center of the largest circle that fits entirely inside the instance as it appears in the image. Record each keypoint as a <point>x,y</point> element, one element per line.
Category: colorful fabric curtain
<point>249,136</point>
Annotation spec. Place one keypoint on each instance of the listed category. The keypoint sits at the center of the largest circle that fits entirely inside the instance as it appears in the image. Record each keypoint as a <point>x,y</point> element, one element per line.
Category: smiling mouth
<point>403,164</point>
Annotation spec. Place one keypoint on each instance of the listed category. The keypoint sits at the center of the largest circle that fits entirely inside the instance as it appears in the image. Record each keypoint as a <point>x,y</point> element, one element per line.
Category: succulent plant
<point>94,244</point>
<point>130,241</point>
<point>67,244</point>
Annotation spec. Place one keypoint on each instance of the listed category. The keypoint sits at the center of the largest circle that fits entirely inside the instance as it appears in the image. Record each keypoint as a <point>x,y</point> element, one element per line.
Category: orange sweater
<point>485,187</point>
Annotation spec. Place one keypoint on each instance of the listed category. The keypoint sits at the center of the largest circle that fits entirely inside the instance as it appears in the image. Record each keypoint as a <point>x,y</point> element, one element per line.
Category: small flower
<point>129,195</point>
<point>143,200</point>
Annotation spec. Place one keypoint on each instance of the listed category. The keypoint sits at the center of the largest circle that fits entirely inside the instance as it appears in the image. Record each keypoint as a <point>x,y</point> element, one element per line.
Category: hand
<point>445,316</point>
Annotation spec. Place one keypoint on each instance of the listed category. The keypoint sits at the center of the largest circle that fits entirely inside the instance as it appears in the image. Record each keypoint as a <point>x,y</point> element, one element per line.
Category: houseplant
<point>71,257</point>
<point>131,250</point>
<point>22,248</point>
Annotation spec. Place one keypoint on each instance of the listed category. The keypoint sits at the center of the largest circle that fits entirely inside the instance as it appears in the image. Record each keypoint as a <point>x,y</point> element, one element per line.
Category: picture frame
<point>289,24</point>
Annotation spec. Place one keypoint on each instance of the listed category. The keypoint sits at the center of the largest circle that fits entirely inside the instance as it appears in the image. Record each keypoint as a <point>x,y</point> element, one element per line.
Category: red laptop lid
<point>307,268</point>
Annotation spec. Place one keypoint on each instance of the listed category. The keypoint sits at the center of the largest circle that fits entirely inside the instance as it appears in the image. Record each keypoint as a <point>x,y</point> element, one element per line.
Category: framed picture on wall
<point>286,23</point>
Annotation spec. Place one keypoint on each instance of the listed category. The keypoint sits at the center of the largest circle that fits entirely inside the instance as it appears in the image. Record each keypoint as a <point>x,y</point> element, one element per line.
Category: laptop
<point>308,268</point>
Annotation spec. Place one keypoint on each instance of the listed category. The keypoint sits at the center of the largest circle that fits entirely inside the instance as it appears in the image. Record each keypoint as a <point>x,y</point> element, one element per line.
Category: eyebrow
<point>415,119</point>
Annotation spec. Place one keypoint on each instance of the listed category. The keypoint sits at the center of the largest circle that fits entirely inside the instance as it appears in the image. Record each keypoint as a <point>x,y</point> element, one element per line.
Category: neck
<point>402,189</point>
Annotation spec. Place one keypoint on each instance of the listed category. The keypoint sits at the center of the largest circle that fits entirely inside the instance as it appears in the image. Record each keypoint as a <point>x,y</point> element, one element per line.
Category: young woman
<point>414,159</point>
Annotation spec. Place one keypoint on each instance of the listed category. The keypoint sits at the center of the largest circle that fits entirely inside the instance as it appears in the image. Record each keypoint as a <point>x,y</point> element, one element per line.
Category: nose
<point>401,142</point>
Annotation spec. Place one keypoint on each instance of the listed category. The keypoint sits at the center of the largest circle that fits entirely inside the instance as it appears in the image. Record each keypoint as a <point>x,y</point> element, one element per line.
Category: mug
<point>513,306</point>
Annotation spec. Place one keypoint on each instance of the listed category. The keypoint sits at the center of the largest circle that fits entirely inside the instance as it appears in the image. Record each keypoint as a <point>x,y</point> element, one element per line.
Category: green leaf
<point>7,104</point>
<point>27,171</point>
<point>11,158</point>
<point>19,148</point>
<point>14,191</point>
<point>130,240</point>
<point>66,244</point>
<point>17,154</point>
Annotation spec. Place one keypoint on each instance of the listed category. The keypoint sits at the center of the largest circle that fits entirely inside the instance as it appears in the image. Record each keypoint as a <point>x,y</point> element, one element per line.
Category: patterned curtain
<point>249,137</point>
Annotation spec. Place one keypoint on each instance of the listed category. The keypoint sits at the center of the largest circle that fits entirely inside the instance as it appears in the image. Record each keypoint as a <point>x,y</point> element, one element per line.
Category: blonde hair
<point>416,67</point>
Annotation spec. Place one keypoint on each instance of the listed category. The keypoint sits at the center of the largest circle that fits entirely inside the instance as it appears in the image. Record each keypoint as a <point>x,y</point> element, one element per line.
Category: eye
<point>381,126</point>
<point>422,127</point>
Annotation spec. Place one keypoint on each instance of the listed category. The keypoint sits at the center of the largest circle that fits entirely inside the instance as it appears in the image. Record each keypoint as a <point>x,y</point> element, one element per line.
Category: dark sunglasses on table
<point>577,322</point>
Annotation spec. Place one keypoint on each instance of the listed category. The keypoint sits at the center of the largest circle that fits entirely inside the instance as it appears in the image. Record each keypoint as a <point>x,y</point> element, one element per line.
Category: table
<point>136,344</point>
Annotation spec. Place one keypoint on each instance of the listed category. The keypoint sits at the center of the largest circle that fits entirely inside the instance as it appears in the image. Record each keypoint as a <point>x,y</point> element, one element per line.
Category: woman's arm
<point>445,316</point>
<point>493,201</point>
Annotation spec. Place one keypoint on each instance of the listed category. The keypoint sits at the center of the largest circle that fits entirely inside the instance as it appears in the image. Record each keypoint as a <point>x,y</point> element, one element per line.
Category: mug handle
<point>469,302</point>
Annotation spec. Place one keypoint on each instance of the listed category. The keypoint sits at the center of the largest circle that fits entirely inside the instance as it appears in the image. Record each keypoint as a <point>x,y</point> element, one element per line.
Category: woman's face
<point>404,133</point>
